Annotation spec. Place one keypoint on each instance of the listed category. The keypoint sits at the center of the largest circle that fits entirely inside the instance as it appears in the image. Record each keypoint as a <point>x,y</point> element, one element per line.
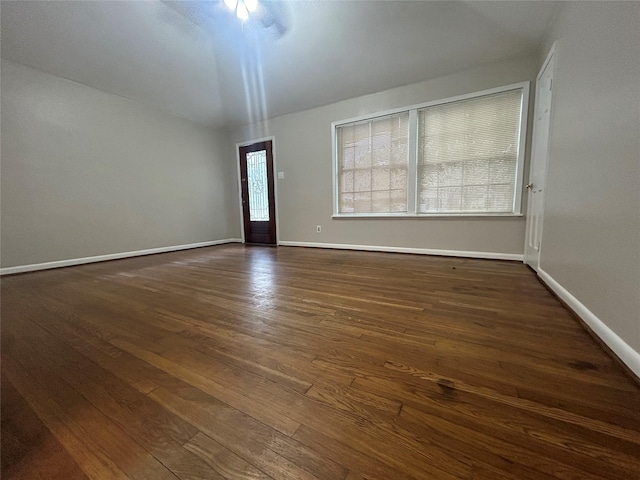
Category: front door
<point>258,198</point>
<point>538,170</point>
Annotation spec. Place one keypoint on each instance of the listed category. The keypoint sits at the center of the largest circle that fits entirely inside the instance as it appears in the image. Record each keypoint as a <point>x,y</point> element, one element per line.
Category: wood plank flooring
<point>254,363</point>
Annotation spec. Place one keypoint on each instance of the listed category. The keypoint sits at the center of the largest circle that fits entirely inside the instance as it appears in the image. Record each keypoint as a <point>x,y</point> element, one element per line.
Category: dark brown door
<point>258,199</point>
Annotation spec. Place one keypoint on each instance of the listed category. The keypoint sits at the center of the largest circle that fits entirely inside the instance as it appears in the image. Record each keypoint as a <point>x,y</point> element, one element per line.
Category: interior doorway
<point>258,192</point>
<point>539,156</point>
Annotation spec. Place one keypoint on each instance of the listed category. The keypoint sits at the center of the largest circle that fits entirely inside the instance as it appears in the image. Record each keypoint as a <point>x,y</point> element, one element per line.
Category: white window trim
<point>412,154</point>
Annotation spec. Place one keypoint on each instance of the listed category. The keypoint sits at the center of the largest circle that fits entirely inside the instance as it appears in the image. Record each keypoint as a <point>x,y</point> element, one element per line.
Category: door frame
<point>551,56</point>
<point>271,139</point>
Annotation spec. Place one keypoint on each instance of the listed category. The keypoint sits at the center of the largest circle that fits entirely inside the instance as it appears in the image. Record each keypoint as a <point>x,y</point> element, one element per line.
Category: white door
<point>539,156</point>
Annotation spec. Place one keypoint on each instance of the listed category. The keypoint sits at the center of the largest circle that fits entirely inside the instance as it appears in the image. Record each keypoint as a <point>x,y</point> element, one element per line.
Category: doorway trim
<point>271,139</point>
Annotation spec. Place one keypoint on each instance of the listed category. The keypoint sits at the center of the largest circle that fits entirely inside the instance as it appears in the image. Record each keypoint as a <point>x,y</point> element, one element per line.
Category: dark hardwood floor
<point>257,363</point>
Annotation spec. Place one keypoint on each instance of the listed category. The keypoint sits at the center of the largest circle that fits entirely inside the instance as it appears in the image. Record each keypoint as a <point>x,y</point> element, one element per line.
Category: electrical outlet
<point>318,228</point>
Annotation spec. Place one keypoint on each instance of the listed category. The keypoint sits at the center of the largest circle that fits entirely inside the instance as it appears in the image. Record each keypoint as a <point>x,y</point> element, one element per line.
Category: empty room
<point>320,240</point>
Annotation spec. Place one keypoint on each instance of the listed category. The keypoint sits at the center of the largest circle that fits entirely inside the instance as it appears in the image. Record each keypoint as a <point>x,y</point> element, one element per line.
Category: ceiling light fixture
<point>242,7</point>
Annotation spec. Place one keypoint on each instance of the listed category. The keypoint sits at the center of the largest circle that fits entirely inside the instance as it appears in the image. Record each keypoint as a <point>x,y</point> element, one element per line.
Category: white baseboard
<point>111,256</point>
<point>628,355</point>
<point>420,251</point>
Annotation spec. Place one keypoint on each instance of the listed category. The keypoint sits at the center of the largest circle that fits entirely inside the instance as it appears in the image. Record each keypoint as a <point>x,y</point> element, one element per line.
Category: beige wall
<point>303,153</point>
<point>88,173</point>
<point>591,236</point>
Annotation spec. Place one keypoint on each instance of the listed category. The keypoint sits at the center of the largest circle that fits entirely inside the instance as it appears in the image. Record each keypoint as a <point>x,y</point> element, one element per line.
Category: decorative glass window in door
<point>258,186</point>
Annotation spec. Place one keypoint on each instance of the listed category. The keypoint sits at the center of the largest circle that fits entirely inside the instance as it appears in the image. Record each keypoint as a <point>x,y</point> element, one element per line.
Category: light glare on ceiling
<point>242,7</point>
<point>231,4</point>
<point>251,5</point>
<point>242,13</point>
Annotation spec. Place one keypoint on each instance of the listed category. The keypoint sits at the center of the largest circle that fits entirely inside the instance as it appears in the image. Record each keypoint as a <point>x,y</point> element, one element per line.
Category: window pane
<point>449,198</point>
<point>398,201</point>
<point>501,171</point>
<point>346,200</point>
<point>346,180</point>
<point>362,181</point>
<point>349,156</point>
<point>380,201</point>
<point>476,172</point>
<point>362,202</point>
<point>258,186</point>
<point>398,179</point>
<point>380,179</point>
<point>474,198</point>
<point>372,165</point>
<point>500,197</point>
<point>467,154</point>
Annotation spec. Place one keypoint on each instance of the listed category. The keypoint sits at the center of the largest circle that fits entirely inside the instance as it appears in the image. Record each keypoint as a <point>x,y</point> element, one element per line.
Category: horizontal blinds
<point>467,154</point>
<point>372,165</point>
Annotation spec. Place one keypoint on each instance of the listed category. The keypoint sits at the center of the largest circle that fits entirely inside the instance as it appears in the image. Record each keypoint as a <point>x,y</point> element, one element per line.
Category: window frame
<point>412,156</point>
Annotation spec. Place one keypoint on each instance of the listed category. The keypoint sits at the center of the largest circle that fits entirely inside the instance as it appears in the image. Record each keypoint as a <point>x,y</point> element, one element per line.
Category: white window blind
<point>468,154</point>
<point>372,165</point>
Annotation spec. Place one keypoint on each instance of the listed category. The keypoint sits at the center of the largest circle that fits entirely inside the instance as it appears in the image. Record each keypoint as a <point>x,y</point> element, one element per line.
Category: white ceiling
<point>193,58</point>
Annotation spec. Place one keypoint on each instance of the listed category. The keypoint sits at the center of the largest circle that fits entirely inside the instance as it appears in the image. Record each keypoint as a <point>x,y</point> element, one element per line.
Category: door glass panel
<point>258,186</point>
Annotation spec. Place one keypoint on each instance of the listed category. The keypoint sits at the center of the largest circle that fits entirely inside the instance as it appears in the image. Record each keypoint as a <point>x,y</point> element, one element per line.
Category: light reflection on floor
<point>262,284</point>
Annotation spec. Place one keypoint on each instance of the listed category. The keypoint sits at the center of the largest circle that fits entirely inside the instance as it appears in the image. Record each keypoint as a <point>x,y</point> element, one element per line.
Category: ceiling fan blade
<point>274,15</point>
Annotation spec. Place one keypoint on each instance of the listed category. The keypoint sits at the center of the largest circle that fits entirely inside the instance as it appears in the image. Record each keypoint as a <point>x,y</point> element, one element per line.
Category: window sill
<point>357,216</point>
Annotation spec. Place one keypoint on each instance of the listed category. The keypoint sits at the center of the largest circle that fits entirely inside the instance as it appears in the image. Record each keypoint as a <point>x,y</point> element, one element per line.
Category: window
<point>372,165</point>
<point>258,186</point>
<point>459,156</point>
<point>468,154</point>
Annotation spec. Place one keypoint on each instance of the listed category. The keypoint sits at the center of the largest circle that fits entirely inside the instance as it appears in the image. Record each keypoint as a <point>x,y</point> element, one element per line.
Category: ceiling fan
<point>265,18</point>
<point>269,14</point>
<point>242,7</point>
